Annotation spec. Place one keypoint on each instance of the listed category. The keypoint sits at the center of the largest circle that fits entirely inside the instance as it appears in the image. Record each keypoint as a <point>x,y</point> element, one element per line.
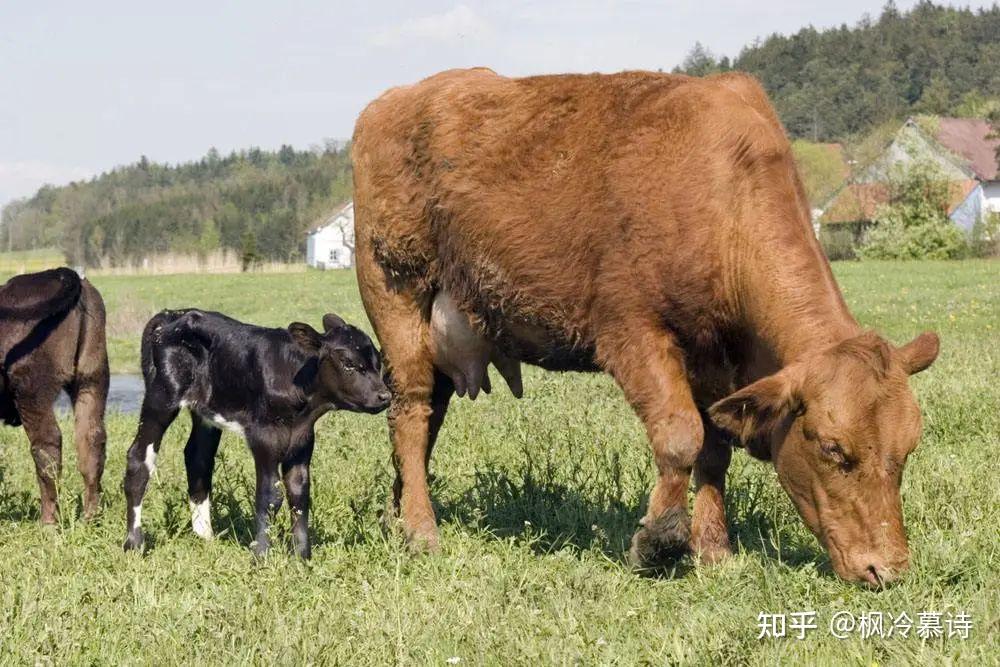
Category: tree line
<point>254,202</point>
<point>832,85</point>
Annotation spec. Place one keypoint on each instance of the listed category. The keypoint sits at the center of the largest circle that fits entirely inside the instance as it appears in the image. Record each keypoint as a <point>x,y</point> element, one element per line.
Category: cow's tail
<point>66,296</point>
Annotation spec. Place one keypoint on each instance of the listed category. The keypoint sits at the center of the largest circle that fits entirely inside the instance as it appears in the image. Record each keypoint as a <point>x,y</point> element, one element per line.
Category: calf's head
<point>349,368</point>
<point>838,427</point>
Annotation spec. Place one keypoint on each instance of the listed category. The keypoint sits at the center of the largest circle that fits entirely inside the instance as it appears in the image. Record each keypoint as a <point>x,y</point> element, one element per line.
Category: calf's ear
<point>753,412</point>
<point>920,352</point>
<point>305,336</point>
<point>332,321</point>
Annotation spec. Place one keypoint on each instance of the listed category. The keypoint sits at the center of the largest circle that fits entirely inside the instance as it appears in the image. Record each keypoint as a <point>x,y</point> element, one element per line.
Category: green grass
<point>537,500</point>
<point>27,261</point>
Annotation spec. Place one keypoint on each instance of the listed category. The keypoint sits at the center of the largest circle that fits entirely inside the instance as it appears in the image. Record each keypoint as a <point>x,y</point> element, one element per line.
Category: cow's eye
<point>835,453</point>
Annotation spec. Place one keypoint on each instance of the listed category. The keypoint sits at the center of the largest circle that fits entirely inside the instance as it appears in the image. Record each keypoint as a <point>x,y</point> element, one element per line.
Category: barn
<point>331,245</point>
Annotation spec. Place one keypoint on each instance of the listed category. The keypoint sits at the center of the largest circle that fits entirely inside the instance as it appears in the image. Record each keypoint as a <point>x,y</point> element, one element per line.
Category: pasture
<point>537,500</point>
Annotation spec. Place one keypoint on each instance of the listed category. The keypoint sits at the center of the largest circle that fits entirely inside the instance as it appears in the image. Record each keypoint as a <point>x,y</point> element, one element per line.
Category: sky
<point>86,86</point>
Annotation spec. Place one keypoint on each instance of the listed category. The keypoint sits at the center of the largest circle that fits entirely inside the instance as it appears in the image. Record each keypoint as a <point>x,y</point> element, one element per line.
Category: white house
<point>331,246</point>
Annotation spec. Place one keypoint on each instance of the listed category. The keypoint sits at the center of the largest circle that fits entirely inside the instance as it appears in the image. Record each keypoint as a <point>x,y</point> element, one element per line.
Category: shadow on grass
<point>550,506</point>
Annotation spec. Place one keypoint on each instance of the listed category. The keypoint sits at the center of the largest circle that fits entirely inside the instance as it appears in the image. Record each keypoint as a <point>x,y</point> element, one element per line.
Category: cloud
<point>456,24</point>
<point>22,179</point>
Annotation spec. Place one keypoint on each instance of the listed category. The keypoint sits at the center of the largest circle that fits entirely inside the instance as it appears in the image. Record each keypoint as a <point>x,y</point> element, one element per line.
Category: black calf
<point>269,385</point>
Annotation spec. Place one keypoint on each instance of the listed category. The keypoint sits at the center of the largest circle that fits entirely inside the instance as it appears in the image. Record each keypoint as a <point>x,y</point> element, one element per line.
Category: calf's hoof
<point>662,540</point>
<point>134,542</point>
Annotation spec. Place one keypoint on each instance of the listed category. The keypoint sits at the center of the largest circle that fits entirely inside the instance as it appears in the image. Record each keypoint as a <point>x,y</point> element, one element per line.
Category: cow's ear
<point>753,412</point>
<point>332,321</point>
<point>305,336</point>
<point>920,352</point>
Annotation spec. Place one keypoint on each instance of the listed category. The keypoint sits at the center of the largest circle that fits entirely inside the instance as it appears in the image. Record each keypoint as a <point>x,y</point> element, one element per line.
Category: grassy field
<point>537,501</point>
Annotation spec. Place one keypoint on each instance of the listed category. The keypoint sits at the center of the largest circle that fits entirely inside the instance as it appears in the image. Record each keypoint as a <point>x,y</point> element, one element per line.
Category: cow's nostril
<point>384,396</point>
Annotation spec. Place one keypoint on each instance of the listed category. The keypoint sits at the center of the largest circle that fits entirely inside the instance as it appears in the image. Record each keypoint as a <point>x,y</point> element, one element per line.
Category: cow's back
<point>541,197</point>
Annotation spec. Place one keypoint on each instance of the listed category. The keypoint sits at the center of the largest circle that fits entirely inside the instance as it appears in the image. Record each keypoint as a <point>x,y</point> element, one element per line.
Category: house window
<point>334,255</point>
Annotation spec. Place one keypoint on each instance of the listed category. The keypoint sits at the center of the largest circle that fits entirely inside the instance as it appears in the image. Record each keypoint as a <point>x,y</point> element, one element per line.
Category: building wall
<point>326,249</point>
<point>991,196</point>
<point>968,213</point>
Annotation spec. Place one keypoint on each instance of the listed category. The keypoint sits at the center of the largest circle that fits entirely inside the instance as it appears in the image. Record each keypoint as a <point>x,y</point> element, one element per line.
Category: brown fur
<point>649,225</point>
<point>49,343</point>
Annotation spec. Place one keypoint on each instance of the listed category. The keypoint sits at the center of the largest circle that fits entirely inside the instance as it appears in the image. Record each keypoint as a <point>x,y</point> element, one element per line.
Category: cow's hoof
<point>711,548</point>
<point>133,542</point>
<point>661,540</point>
<point>423,540</point>
<point>712,555</point>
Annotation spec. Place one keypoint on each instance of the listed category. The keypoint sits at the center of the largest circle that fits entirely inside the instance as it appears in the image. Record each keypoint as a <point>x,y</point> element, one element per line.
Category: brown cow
<point>652,226</point>
<point>52,338</point>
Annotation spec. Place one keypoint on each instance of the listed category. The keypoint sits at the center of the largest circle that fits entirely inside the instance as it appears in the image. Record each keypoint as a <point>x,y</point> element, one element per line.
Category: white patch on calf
<point>201,518</point>
<point>233,426</point>
<point>136,517</point>
<point>150,459</point>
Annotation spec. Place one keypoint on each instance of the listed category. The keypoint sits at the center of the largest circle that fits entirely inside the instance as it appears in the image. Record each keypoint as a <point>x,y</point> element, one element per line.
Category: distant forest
<point>835,84</point>
<point>848,84</point>
<point>253,202</point>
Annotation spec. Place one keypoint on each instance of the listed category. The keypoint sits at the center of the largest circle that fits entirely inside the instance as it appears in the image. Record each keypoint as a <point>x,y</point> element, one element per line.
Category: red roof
<point>858,202</point>
<point>968,138</point>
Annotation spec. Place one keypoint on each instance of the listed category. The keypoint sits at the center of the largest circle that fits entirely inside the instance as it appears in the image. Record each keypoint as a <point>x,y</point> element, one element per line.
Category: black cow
<point>268,385</point>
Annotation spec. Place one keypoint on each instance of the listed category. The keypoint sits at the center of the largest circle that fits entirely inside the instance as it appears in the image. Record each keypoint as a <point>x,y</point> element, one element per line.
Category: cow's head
<point>839,426</point>
<point>350,367</point>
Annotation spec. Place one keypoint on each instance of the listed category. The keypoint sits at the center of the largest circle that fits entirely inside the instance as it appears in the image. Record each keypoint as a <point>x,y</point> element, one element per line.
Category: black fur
<point>270,384</point>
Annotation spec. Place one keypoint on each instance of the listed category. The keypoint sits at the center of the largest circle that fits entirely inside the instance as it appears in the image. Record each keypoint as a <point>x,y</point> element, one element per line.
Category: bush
<point>914,224</point>
<point>985,239</point>
<point>840,241</point>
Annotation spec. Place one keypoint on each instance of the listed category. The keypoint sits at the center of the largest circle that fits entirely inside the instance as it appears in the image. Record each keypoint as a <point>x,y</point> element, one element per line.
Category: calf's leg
<point>199,460</point>
<point>709,534</point>
<point>268,500</point>
<point>154,419</point>
<point>46,449</point>
<point>649,367</point>
<point>295,473</point>
<point>91,439</point>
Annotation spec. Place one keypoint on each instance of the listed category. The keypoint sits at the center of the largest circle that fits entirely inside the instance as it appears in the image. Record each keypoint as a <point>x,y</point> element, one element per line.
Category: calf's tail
<point>152,335</point>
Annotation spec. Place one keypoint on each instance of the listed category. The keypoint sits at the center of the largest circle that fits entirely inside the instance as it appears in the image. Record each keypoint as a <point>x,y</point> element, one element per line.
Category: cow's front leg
<point>295,473</point>
<point>709,533</point>
<point>268,498</point>
<point>649,367</point>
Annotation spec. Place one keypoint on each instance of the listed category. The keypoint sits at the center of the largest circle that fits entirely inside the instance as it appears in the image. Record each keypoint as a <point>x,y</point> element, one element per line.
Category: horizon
<point>117,82</point>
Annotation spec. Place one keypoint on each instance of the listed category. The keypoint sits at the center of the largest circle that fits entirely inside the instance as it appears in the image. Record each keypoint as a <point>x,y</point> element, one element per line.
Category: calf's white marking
<point>150,458</point>
<point>233,426</point>
<point>201,518</point>
<point>136,517</point>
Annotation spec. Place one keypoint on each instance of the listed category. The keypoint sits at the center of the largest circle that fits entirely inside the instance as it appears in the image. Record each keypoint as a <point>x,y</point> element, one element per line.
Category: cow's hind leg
<point>155,417</point>
<point>199,460</point>
<point>649,367</point>
<point>46,449</point>
<point>88,412</point>
<point>441,393</point>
